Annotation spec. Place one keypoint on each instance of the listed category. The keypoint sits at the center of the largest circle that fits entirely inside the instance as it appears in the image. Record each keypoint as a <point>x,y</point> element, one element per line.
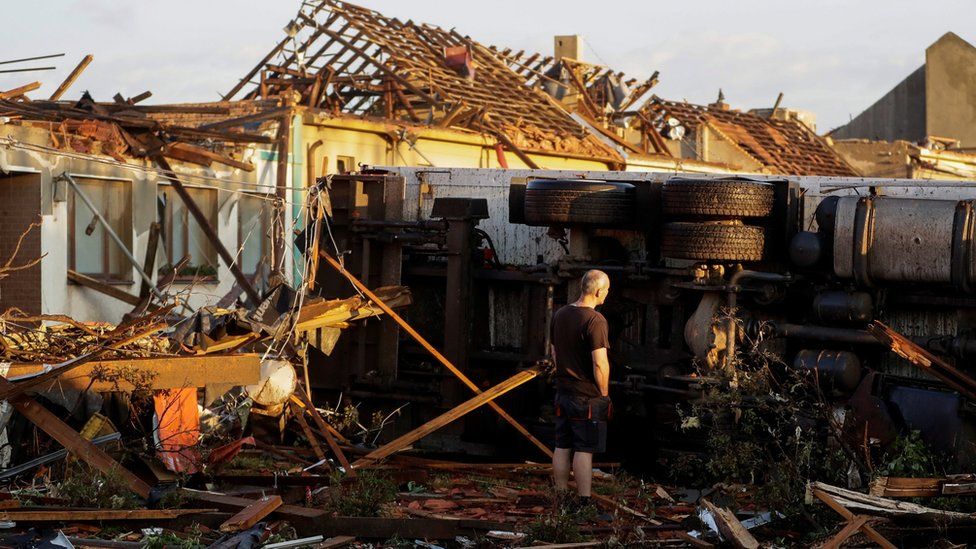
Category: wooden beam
<point>209,155</point>
<point>103,288</point>
<point>503,137</point>
<point>171,372</point>
<point>376,62</point>
<point>79,446</point>
<point>208,230</point>
<point>326,430</point>
<point>21,90</point>
<point>452,115</point>
<point>80,68</point>
<point>432,350</point>
<point>299,414</point>
<point>464,408</point>
<point>924,359</point>
<point>296,514</point>
<point>731,529</point>
<point>244,120</point>
<point>849,516</point>
<point>149,264</point>
<point>92,515</point>
<point>250,515</point>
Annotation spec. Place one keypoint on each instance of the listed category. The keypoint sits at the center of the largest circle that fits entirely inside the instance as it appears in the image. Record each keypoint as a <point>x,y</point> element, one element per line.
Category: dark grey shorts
<point>581,422</point>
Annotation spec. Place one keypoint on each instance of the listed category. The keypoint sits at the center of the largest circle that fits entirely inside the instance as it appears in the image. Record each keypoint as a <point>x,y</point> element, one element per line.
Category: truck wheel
<point>712,242</point>
<point>568,202</point>
<point>717,198</point>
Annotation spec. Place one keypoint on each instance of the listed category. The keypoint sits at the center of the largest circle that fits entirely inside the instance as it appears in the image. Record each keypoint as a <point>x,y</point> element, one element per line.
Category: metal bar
<point>433,351</point>
<point>207,228</point>
<point>29,69</point>
<point>31,58</point>
<point>111,232</point>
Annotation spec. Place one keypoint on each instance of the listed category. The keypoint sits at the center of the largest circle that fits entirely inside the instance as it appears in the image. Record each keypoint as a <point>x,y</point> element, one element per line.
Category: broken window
<point>254,230</point>
<point>91,251</point>
<point>183,236</point>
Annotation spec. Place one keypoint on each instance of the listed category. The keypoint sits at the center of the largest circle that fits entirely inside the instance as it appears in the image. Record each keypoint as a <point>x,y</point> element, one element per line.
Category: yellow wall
<point>372,143</point>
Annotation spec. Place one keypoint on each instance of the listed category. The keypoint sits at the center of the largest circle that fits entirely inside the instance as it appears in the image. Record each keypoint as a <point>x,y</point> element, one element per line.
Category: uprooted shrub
<point>768,426</point>
<point>366,495</point>
<point>84,486</point>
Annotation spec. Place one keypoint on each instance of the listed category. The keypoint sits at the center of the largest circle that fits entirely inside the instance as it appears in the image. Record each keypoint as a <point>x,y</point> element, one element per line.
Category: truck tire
<point>712,242</point>
<point>721,198</point>
<point>569,202</point>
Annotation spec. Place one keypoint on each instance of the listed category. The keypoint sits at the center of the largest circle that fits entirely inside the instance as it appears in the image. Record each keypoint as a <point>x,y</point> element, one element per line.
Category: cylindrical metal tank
<point>880,239</point>
<point>840,370</point>
<point>844,307</point>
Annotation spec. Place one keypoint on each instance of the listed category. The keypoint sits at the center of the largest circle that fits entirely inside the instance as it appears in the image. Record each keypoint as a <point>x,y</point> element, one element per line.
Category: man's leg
<point>560,467</point>
<point>583,472</point>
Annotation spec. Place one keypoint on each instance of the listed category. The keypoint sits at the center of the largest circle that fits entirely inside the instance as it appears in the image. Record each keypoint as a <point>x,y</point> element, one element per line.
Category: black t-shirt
<point>576,333</point>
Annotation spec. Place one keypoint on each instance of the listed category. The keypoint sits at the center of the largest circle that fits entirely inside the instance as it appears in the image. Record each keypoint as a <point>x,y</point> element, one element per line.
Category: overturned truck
<point>866,282</point>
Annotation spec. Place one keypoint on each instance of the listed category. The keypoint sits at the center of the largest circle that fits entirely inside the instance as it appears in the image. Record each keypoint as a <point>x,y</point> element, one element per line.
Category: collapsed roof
<point>352,60</point>
<point>782,146</point>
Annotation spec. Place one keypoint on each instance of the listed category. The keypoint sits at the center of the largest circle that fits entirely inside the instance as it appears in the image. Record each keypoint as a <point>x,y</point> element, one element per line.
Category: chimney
<point>570,45</point>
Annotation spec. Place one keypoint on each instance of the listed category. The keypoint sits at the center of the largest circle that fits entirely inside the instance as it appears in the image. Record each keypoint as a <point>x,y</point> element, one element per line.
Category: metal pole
<point>115,237</point>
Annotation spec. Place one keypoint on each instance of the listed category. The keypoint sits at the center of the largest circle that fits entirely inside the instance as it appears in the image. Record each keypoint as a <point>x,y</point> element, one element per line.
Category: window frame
<point>264,235</point>
<point>124,277</point>
<point>167,234</point>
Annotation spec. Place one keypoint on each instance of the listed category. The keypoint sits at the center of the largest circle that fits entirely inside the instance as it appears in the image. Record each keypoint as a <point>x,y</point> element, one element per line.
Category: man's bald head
<point>595,284</point>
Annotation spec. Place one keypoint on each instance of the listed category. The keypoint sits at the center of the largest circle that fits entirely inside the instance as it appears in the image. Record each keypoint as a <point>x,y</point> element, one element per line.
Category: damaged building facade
<point>338,282</point>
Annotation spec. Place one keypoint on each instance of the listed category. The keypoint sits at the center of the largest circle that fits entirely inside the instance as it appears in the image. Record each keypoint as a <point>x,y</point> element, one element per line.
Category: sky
<point>832,57</point>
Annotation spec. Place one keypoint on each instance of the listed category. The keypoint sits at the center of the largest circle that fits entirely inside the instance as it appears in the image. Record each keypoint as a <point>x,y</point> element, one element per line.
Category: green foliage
<point>86,487</point>
<point>555,527</point>
<point>764,429</point>
<point>174,499</point>
<point>364,496</point>
<point>909,456</point>
<point>251,463</point>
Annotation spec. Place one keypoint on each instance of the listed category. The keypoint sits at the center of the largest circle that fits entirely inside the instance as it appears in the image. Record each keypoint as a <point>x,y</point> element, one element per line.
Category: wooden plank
<point>172,372</point>
<point>326,430</point>
<point>69,438</point>
<point>20,90</point>
<point>294,513</point>
<point>75,515</point>
<point>245,120</point>
<point>846,532</point>
<point>102,288</point>
<point>335,542</point>
<point>82,65</point>
<point>927,361</point>
<point>150,262</point>
<point>848,516</point>
<point>314,442</point>
<point>250,515</point>
<point>208,230</point>
<point>451,415</point>
<point>577,545</point>
<point>407,528</point>
<point>433,351</point>
<point>732,530</point>
<point>906,487</point>
<point>210,155</point>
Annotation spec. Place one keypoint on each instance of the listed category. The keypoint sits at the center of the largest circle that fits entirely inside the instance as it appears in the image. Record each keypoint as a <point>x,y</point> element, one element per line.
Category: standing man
<point>579,340</point>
